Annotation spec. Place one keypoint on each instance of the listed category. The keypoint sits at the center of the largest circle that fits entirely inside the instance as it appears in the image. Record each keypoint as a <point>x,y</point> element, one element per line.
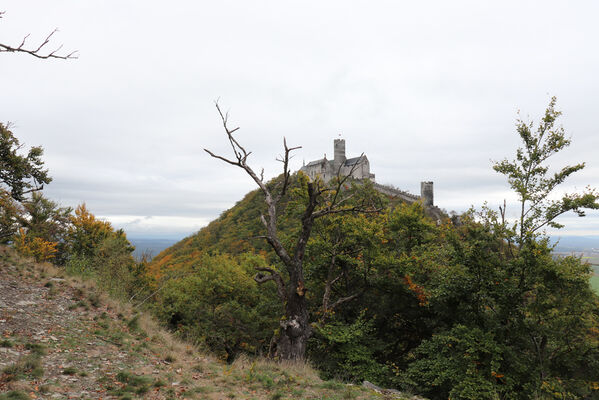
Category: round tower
<point>426,193</point>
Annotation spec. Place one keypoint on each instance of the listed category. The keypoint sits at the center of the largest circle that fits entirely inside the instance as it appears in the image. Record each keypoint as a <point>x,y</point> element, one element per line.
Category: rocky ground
<point>62,339</point>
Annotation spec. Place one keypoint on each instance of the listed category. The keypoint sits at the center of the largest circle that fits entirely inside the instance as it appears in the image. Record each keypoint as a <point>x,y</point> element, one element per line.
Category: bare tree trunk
<point>295,328</point>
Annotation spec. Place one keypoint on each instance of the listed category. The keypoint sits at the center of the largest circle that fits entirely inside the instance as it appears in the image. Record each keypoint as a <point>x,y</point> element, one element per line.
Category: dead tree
<point>321,200</point>
<point>38,51</point>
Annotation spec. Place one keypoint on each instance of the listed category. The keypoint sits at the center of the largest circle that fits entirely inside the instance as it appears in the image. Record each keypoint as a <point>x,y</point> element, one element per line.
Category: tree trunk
<point>295,327</point>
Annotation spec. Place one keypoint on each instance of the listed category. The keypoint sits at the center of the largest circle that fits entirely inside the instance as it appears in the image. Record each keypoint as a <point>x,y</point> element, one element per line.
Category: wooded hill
<point>440,310</point>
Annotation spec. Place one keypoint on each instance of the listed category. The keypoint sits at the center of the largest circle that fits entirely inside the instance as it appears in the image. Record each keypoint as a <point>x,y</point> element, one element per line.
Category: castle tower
<point>339,145</point>
<point>426,193</point>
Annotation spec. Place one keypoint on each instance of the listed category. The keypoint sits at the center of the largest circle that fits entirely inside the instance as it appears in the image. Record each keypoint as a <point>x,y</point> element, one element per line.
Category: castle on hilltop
<point>359,168</point>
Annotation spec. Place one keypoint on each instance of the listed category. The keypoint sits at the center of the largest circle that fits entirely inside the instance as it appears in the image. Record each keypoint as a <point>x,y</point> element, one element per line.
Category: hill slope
<point>61,338</point>
<point>238,230</point>
<point>233,232</point>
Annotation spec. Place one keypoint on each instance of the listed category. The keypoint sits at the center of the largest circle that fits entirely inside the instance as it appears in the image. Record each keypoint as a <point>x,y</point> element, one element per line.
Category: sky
<point>429,91</point>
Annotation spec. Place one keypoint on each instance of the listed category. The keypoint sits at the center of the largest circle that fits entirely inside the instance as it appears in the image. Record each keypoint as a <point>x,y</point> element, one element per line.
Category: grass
<point>29,366</point>
<point>35,348</point>
<point>332,385</point>
<point>69,371</point>
<point>14,395</point>
<point>132,384</point>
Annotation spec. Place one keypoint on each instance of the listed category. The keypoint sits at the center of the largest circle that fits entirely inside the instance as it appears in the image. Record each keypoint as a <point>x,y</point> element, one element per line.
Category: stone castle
<point>359,168</point>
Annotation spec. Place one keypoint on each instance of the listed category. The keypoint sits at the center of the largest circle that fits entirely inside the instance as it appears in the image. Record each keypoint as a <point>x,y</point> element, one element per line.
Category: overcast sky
<point>427,90</point>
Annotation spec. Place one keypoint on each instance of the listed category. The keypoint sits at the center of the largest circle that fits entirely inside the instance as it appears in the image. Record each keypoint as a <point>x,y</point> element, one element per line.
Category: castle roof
<point>352,161</point>
<point>316,162</point>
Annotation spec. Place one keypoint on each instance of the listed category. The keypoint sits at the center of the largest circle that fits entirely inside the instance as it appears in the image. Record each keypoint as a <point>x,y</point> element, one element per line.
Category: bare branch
<point>326,307</point>
<point>176,276</point>
<point>241,155</point>
<point>221,158</point>
<point>273,276</point>
<point>35,189</point>
<point>343,300</point>
<point>286,174</point>
<point>38,51</point>
<point>342,179</point>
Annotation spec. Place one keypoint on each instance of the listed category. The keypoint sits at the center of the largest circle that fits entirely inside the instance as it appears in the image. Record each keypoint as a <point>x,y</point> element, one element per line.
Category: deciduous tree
<point>20,173</point>
<point>528,175</point>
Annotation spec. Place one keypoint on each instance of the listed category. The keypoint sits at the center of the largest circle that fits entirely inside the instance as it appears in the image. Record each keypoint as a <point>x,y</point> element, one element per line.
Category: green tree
<point>512,320</point>
<point>49,222</point>
<point>20,173</point>
<point>528,175</point>
<point>11,214</point>
<point>217,304</point>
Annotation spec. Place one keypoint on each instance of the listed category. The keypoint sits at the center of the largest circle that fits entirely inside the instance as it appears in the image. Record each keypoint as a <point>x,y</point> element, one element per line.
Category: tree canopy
<point>20,173</point>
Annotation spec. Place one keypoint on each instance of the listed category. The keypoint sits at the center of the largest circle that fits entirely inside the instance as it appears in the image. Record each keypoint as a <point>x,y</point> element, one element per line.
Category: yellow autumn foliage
<point>38,248</point>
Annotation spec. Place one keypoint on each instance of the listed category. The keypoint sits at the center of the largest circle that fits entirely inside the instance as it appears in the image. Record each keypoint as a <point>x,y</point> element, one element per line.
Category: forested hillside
<point>439,310</point>
<point>469,308</point>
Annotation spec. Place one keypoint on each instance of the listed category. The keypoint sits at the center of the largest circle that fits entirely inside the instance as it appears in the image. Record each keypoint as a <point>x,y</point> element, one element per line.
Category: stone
<point>26,303</point>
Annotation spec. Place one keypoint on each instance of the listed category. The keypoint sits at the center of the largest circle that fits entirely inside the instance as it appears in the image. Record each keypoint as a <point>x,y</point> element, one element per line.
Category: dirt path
<point>60,341</point>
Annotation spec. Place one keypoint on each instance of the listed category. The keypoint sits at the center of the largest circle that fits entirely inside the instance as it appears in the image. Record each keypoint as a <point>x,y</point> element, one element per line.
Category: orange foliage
<point>496,375</point>
<point>87,232</point>
<point>417,290</point>
<point>37,248</point>
<point>155,269</point>
<point>87,221</point>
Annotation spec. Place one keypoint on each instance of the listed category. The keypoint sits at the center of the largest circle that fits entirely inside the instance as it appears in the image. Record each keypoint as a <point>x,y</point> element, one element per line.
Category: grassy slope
<point>100,348</point>
<point>595,278</point>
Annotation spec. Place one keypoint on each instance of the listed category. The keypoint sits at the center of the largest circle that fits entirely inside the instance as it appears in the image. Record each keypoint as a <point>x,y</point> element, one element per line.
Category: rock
<point>26,303</point>
<point>389,392</point>
<point>372,386</point>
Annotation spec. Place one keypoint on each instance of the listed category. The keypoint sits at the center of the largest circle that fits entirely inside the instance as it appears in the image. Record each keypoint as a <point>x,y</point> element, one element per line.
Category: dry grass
<point>203,375</point>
